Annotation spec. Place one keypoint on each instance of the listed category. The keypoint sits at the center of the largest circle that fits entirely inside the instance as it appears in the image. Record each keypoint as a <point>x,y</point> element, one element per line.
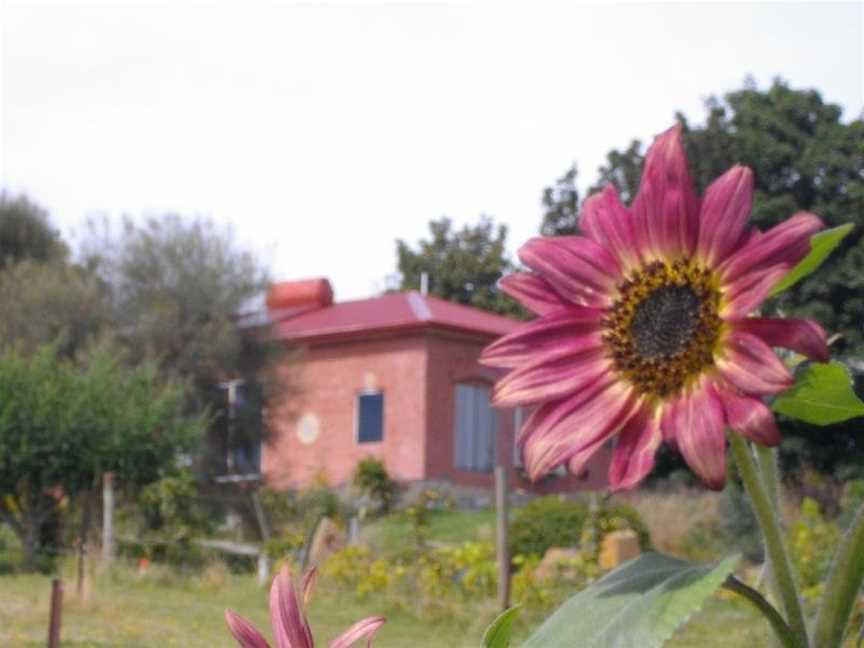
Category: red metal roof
<point>408,310</point>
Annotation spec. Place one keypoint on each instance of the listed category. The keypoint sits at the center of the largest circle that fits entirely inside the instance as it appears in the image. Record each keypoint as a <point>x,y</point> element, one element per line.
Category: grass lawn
<point>163,611</point>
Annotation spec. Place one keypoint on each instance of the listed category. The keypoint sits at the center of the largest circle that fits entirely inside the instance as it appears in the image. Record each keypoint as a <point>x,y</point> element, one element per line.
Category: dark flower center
<point>664,321</point>
<point>663,327</point>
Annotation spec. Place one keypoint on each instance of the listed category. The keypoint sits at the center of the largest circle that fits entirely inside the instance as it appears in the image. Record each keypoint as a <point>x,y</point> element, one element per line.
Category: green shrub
<point>317,502</point>
<point>281,508</point>
<point>171,507</point>
<point>812,542</point>
<point>546,522</point>
<point>285,544</point>
<point>372,478</point>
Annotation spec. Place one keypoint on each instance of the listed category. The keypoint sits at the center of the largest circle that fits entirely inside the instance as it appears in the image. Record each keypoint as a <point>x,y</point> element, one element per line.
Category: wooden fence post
<point>86,514</point>
<point>56,609</point>
<point>502,536</point>
<point>107,517</point>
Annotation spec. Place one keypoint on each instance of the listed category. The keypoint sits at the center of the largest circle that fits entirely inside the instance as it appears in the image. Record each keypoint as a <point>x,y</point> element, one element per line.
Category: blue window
<point>370,418</point>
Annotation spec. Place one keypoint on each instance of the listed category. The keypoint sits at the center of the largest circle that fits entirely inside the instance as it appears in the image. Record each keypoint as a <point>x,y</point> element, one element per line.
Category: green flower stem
<point>781,628</point>
<point>767,458</point>
<point>768,524</point>
<point>844,581</point>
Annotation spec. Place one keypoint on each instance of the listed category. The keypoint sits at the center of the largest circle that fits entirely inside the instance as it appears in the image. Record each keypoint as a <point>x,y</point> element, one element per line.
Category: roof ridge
<point>419,306</point>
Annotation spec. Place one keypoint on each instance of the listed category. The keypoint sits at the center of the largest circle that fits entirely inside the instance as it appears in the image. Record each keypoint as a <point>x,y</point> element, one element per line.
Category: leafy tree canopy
<point>63,422</point>
<point>41,303</point>
<point>26,233</point>
<point>561,205</point>
<point>463,265</point>
<point>178,287</point>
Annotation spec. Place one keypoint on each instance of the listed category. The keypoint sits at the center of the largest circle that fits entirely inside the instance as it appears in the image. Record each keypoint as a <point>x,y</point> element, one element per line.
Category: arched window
<point>475,428</point>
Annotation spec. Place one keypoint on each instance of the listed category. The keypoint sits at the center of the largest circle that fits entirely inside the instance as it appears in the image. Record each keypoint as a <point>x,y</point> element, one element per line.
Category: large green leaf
<point>822,394</point>
<point>821,245</point>
<point>498,634</point>
<point>639,605</point>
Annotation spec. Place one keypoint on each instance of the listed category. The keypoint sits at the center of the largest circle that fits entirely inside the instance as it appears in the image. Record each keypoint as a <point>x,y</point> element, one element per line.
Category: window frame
<point>494,429</point>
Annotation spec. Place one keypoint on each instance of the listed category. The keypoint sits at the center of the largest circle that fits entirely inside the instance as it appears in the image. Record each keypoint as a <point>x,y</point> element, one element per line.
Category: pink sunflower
<point>646,327</point>
<point>290,628</point>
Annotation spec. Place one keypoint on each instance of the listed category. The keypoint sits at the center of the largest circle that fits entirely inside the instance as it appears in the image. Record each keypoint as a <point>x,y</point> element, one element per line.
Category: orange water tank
<point>306,293</point>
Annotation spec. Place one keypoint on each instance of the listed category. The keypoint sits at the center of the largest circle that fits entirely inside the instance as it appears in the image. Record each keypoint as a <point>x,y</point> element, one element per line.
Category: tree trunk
<point>30,541</point>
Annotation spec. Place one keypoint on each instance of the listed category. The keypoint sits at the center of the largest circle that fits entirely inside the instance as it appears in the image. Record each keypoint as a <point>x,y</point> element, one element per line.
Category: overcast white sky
<point>323,132</point>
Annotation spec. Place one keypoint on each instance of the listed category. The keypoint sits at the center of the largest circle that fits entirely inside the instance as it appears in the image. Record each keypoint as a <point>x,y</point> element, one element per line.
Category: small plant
<point>317,502</point>
<point>167,520</point>
<point>418,515</point>
<point>372,479</point>
<point>285,544</point>
<point>546,522</point>
<point>280,507</point>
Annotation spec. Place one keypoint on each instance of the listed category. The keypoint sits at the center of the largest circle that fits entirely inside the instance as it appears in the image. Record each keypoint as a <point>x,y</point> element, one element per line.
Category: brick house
<point>395,377</point>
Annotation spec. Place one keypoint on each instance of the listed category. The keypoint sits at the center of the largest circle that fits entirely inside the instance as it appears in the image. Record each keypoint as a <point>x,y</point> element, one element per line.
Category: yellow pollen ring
<point>663,327</point>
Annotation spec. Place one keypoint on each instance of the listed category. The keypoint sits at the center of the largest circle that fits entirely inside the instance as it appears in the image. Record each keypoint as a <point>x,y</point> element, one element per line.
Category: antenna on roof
<point>424,283</point>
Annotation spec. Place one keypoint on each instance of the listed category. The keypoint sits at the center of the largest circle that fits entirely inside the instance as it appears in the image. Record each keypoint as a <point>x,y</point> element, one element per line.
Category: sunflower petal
<point>290,628</point>
<point>550,379</point>
<point>633,457</point>
<point>783,245</point>
<point>747,293</point>
<point>751,366</point>
<point>551,413</point>
<point>750,417</point>
<point>581,433</point>
<point>605,220</point>
<point>533,292</point>
<point>579,269</point>
<point>564,332</point>
<point>725,209</point>
<point>244,632</point>
<point>802,336</point>
<point>666,209</point>
<point>698,420</point>
<point>363,629</point>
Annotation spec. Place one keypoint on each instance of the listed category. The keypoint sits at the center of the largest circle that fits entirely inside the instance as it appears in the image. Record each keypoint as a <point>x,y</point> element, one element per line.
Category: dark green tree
<point>179,288</point>
<point>64,422</point>
<point>42,303</point>
<point>561,205</point>
<point>26,232</point>
<point>463,266</point>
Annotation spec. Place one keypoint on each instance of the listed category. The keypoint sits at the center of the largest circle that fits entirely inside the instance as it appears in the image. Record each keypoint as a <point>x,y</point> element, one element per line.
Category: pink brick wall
<point>331,376</point>
<point>417,373</point>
